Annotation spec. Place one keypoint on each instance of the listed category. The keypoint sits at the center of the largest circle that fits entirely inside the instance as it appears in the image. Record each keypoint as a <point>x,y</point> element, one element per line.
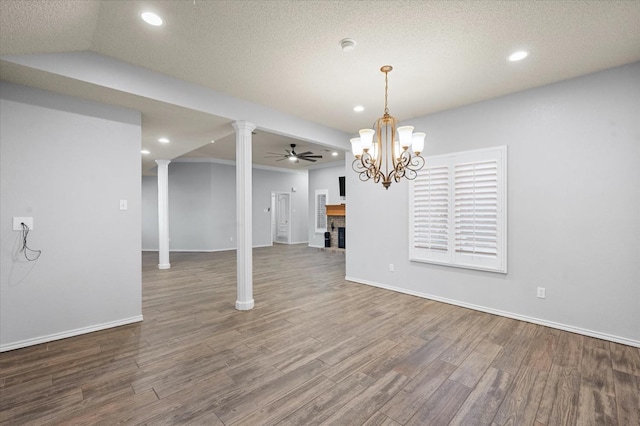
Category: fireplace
<point>336,225</point>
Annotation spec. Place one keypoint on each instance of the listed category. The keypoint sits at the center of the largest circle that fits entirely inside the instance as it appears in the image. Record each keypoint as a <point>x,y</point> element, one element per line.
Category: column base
<point>244,306</point>
<point>164,265</point>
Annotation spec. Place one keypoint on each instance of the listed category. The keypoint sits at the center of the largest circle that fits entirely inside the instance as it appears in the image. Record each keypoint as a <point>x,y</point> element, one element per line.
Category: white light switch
<point>18,221</point>
<point>123,204</point>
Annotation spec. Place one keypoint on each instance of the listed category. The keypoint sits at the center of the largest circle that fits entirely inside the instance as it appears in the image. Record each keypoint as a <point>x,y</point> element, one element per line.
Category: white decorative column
<point>243,214</point>
<point>163,214</point>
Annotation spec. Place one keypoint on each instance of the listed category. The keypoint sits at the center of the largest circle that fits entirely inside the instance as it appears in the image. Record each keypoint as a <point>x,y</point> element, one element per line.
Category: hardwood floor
<point>315,350</point>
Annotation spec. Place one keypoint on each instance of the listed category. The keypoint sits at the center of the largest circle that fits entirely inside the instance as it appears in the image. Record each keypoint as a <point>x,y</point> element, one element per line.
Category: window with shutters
<point>321,211</point>
<point>458,210</point>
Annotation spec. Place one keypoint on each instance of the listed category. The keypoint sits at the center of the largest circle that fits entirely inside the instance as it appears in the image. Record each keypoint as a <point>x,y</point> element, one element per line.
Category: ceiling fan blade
<point>275,153</point>
<point>284,158</point>
<point>311,156</point>
<point>308,159</point>
<point>305,153</point>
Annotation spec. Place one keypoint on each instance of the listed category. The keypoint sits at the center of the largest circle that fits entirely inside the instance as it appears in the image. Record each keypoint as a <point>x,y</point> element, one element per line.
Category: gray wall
<point>573,208</point>
<point>266,181</point>
<point>323,178</point>
<point>202,206</point>
<point>67,163</point>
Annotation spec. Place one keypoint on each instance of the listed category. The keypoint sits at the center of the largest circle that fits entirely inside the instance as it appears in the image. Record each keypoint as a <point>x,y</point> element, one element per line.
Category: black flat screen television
<point>343,188</point>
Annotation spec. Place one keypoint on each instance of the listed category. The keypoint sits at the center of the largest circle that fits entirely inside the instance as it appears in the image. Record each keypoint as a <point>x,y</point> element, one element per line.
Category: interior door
<point>274,222</point>
<point>282,218</point>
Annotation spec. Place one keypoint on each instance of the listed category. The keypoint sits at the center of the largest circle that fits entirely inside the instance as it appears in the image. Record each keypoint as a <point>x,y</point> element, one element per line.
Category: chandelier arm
<point>366,168</point>
<point>407,166</point>
<point>410,170</point>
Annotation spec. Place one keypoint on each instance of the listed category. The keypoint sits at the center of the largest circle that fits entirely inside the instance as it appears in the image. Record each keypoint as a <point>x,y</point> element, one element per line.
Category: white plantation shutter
<point>476,208</point>
<point>431,209</point>
<point>458,210</point>
<point>321,211</point>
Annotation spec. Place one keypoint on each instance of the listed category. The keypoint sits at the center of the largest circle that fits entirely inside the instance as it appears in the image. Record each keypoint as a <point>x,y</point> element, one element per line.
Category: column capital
<point>243,125</point>
<point>163,162</point>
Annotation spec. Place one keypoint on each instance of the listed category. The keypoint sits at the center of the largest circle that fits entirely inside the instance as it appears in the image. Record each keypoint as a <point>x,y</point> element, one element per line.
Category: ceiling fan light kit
<point>388,158</point>
<point>295,157</point>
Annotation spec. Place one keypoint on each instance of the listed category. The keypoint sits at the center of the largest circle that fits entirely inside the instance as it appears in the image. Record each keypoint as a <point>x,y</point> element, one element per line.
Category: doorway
<point>281,217</point>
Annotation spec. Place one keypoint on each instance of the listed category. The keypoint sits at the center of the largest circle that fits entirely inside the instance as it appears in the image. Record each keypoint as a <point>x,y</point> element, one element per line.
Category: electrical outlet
<point>123,205</point>
<point>18,221</point>
<point>391,268</point>
<point>542,294</point>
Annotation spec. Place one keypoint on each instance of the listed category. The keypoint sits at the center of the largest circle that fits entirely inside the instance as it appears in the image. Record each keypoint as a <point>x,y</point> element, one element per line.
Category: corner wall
<point>573,208</point>
<point>67,163</point>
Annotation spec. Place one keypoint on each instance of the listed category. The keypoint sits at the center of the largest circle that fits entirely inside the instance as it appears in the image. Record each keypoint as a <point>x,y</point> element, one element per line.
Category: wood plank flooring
<point>315,350</point>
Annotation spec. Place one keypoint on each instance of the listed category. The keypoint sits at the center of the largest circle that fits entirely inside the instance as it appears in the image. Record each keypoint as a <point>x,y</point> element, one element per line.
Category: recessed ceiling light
<point>145,152</point>
<point>151,19</point>
<point>334,153</point>
<point>213,141</point>
<point>163,140</point>
<point>518,56</point>
<point>358,108</point>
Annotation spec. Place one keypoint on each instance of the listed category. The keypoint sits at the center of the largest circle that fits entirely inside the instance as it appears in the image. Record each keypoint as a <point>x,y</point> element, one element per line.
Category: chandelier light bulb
<point>374,152</point>
<point>397,150</point>
<point>366,136</point>
<point>404,133</point>
<point>417,142</point>
<point>356,147</point>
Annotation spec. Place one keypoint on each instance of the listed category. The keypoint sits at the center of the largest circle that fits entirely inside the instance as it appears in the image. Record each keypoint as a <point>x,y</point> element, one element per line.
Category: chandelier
<point>388,157</point>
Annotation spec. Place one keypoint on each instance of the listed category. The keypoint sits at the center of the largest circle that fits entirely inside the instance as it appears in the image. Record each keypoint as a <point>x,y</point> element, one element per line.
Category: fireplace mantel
<point>336,209</point>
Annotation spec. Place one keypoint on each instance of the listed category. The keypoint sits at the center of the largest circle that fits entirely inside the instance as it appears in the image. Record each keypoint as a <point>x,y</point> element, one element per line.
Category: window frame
<point>421,246</point>
<point>318,214</point>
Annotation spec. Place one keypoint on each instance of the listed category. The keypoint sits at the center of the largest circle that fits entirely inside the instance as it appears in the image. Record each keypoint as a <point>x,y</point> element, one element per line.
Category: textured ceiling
<point>285,54</point>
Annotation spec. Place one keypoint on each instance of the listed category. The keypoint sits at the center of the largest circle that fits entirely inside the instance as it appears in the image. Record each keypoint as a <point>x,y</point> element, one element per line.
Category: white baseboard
<point>200,251</point>
<point>291,243</point>
<point>208,251</point>
<point>69,333</point>
<point>539,321</point>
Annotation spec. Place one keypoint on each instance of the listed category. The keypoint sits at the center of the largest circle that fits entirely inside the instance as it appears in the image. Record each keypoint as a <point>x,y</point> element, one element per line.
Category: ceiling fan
<point>293,156</point>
